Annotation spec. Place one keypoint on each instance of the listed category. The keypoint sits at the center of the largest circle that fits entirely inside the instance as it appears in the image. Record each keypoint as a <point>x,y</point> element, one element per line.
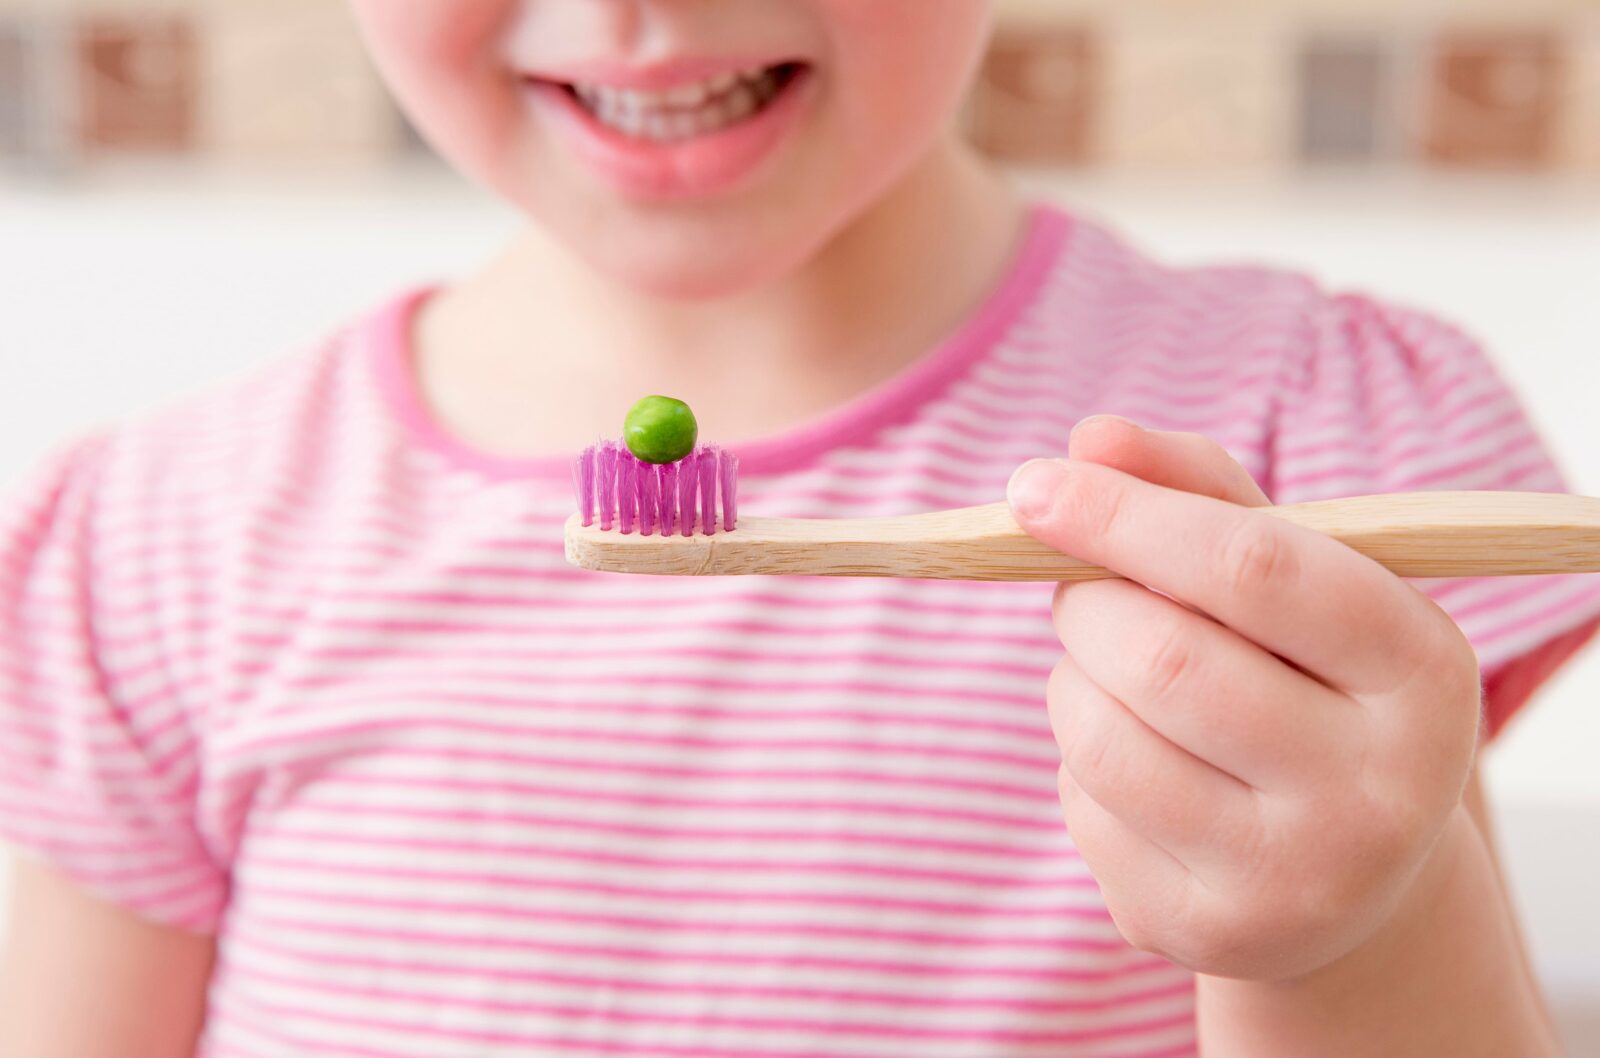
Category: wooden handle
<point>1414,534</point>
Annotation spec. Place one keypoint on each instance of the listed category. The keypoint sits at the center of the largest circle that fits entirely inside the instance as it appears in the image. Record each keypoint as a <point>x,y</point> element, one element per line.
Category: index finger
<point>1304,596</point>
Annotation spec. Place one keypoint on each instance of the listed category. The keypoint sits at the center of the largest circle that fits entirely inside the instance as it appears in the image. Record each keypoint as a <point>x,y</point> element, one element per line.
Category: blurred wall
<point>1179,85</point>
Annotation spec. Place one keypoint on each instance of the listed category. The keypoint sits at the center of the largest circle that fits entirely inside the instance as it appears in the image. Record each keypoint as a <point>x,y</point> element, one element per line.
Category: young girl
<point>312,744</point>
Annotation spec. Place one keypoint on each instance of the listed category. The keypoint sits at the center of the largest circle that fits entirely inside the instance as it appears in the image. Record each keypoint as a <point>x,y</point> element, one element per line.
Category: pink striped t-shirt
<point>289,664</point>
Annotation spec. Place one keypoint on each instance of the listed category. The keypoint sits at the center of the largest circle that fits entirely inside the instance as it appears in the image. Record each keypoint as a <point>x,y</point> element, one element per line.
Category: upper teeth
<point>679,97</point>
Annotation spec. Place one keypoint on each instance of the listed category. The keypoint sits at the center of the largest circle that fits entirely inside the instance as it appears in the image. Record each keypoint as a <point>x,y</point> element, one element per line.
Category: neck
<point>872,300</point>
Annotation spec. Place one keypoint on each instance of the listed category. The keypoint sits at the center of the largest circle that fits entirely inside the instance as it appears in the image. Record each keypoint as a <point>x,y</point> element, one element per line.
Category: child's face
<point>786,119</point>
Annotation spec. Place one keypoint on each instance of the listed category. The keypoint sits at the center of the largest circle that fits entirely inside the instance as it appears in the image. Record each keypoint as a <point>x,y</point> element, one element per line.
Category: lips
<point>677,131</point>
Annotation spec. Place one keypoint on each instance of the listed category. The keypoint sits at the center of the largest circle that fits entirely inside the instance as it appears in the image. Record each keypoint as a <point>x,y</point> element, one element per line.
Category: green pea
<point>660,430</point>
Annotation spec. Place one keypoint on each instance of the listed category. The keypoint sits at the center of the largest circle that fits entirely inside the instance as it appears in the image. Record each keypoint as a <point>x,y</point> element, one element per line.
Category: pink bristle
<point>707,458</point>
<point>583,484</point>
<point>649,506</point>
<point>688,478</point>
<point>657,498</point>
<point>608,484</point>
<point>669,498</point>
<point>729,465</point>
<point>627,497</point>
<point>590,472</point>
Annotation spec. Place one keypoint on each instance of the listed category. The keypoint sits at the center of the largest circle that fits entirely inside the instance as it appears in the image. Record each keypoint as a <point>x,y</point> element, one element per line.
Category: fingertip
<point>1103,417</point>
<point>1033,489</point>
<point>1099,438</point>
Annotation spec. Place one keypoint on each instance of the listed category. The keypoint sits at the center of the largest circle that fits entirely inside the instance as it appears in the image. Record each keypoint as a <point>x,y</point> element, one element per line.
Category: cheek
<point>900,66</point>
<point>449,32</point>
<point>444,63</point>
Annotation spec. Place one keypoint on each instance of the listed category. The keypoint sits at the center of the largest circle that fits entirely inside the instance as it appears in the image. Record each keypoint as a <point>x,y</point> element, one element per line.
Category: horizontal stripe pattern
<point>282,664</point>
<point>1397,401</point>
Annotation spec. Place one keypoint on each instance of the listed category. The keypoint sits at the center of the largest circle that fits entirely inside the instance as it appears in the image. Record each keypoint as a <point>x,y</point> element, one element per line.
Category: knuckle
<point>1272,941</point>
<point>1394,827</point>
<point>1143,930</point>
<point>1098,507</point>
<point>1252,936</point>
<point>1314,912</point>
<point>1168,663</point>
<point>1252,844</point>
<point>1227,942</point>
<point>1216,933</point>
<point>1064,608</point>
<point>1458,659</point>
<point>1462,651</point>
<point>1068,792</point>
<point>1345,874</point>
<point>1316,900</point>
<point>1223,476</point>
<point>1447,651</point>
<point>1090,752</point>
<point>1254,554</point>
<point>1171,929</point>
<point>1443,687</point>
<point>1061,693</point>
<point>1058,687</point>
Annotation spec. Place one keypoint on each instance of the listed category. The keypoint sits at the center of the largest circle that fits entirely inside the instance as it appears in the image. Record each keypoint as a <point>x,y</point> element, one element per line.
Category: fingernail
<point>1032,490</point>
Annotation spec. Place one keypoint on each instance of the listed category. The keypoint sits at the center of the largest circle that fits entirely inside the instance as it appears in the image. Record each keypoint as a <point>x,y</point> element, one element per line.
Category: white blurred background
<point>166,255</point>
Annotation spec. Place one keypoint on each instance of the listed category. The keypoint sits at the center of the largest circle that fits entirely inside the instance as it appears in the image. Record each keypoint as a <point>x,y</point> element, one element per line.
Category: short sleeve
<point>97,768</point>
<point>1393,400</point>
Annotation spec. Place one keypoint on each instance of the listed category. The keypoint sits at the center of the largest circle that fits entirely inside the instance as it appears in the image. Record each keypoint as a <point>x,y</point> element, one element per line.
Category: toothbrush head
<point>617,490</point>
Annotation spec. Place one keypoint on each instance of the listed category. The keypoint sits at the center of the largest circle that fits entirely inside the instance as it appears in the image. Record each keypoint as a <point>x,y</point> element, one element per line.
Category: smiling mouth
<point>685,111</point>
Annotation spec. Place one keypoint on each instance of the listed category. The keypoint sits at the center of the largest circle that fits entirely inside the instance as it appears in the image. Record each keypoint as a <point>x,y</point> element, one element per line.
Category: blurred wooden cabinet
<point>17,77</point>
<point>38,121</point>
<point>1580,127</point>
<point>1347,104</point>
<point>138,82</point>
<point>1198,91</point>
<point>1173,85</point>
<point>1496,99</point>
<point>292,80</point>
<point>1037,96</point>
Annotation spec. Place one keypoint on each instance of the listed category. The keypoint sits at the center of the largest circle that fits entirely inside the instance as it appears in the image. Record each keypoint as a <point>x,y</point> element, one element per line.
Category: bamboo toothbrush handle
<point>1415,534</point>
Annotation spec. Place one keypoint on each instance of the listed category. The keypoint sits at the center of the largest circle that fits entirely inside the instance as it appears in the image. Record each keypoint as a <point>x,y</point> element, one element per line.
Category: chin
<point>705,269</point>
<point>686,282</point>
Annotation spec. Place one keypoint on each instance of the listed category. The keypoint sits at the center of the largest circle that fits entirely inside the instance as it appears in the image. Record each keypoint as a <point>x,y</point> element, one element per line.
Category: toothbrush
<point>636,517</point>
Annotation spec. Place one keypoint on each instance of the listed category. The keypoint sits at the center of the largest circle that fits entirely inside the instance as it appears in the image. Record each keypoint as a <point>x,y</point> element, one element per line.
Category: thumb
<point>1189,462</point>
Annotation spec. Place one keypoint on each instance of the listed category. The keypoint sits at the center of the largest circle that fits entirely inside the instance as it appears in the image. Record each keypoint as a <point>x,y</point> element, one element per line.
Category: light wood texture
<point>1415,534</point>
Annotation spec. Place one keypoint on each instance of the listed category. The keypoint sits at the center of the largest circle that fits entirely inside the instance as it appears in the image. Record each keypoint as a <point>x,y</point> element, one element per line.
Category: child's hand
<point>1255,785</point>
